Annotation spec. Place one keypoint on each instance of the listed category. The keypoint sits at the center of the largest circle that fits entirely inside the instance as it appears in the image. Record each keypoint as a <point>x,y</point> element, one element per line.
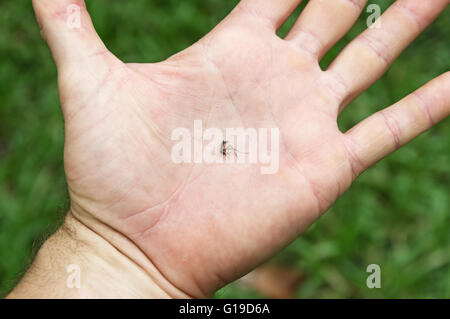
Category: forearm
<point>76,262</point>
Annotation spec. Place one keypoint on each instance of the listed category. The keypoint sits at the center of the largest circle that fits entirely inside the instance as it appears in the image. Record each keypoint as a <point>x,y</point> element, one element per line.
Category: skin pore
<point>143,226</point>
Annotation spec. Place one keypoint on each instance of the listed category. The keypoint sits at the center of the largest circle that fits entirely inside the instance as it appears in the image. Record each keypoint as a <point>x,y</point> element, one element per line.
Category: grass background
<point>396,215</point>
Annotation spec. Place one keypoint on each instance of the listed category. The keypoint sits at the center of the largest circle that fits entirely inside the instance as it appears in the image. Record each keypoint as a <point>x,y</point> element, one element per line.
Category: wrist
<point>79,262</point>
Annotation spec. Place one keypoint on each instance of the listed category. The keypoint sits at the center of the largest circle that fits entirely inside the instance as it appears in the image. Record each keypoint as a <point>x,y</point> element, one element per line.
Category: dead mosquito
<point>227,148</point>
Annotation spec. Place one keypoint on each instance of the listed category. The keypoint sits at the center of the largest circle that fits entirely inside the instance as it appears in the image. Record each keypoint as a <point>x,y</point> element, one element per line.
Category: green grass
<point>396,215</point>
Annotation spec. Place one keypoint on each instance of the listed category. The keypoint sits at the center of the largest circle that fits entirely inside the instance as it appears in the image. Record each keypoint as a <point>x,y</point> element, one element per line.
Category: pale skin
<point>143,226</point>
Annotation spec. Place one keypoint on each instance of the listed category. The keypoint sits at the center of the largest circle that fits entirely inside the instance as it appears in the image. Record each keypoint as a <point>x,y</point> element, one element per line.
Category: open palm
<point>203,225</point>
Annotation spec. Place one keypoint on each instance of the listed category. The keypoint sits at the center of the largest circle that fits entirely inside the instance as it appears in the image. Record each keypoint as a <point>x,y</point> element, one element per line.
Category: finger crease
<point>354,161</point>
<point>378,47</point>
<point>393,128</point>
<point>409,13</point>
<point>425,107</point>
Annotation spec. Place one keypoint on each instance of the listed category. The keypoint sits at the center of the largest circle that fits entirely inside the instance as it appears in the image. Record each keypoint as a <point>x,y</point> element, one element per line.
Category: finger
<point>68,30</point>
<point>323,23</point>
<point>366,58</point>
<point>275,12</point>
<point>386,131</point>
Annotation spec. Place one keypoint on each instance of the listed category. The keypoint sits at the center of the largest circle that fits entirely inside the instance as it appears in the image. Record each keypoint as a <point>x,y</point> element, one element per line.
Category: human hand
<point>200,226</point>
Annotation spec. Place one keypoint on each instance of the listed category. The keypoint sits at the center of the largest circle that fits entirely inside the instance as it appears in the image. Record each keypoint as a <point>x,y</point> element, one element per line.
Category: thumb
<point>68,30</point>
